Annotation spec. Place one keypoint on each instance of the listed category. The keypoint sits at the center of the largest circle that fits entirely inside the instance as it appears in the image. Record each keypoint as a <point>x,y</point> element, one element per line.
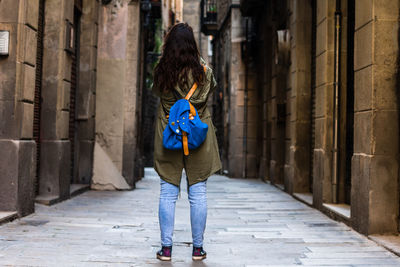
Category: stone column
<point>179,5</point>
<point>264,83</point>
<point>55,158</point>
<point>322,186</point>
<point>279,108</point>
<point>191,15</point>
<point>17,87</point>
<point>86,94</point>
<point>132,98</point>
<point>237,121</point>
<point>297,171</point>
<point>374,195</point>
<point>116,96</point>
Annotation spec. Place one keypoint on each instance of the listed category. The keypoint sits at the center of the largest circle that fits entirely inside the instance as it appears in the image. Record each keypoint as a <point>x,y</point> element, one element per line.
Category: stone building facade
<point>70,96</point>
<point>237,94</point>
<point>172,12</point>
<point>117,162</point>
<point>309,102</point>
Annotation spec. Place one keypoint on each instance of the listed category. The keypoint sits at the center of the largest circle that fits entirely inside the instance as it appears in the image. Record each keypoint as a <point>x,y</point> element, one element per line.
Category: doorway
<point>152,38</point>
<point>343,100</point>
<point>347,152</point>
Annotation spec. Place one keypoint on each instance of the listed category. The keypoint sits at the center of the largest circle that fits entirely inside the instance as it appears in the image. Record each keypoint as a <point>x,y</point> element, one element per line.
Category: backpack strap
<point>185,143</point>
<point>193,112</point>
<point>194,87</point>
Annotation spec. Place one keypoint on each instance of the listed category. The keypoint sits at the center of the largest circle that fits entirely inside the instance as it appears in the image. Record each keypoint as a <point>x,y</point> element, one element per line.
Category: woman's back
<point>198,99</point>
<point>179,68</point>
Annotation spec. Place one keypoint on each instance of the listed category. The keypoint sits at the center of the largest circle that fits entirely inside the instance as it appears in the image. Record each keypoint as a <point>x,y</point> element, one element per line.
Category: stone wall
<point>231,75</point>
<point>222,55</point>
<point>322,191</point>
<point>285,93</point>
<point>297,166</point>
<point>105,98</point>
<point>86,95</point>
<point>58,150</point>
<point>375,195</point>
<point>17,86</point>
<point>55,147</point>
<point>18,74</point>
<point>264,62</point>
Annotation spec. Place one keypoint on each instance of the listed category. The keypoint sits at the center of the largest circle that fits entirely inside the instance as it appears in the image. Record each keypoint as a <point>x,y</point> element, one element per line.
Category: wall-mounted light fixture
<point>4,43</point>
<point>69,38</point>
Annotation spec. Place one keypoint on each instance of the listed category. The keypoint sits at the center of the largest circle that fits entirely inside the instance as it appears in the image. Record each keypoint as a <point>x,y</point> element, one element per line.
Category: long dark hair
<point>180,57</point>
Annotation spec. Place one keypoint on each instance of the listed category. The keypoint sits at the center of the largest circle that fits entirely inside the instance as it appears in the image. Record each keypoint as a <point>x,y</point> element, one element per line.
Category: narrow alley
<point>250,223</point>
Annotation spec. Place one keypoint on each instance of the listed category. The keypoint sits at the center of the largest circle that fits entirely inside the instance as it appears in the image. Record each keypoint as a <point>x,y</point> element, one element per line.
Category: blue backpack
<point>184,130</point>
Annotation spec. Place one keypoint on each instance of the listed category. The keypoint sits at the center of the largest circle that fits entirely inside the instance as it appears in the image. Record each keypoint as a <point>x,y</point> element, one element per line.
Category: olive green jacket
<point>202,161</point>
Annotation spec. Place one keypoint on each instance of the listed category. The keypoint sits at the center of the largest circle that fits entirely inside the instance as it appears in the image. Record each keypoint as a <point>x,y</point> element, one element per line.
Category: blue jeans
<point>198,211</point>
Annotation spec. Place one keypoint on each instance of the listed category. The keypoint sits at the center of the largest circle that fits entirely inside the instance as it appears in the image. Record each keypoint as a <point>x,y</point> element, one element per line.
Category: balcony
<point>209,24</point>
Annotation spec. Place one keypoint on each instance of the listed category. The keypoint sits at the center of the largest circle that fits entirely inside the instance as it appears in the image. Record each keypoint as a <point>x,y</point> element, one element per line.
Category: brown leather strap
<point>194,87</point>
<point>192,110</point>
<point>193,113</point>
<point>185,143</point>
<point>189,95</point>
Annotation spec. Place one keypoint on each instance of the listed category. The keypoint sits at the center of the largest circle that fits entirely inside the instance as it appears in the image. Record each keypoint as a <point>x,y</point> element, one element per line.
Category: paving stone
<point>249,223</point>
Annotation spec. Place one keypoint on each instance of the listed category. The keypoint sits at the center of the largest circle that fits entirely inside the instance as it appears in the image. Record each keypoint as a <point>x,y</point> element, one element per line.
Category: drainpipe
<point>245,100</point>
<point>336,106</point>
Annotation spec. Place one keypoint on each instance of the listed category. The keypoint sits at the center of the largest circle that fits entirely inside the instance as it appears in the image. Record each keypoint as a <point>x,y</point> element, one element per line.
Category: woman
<point>179,68</point>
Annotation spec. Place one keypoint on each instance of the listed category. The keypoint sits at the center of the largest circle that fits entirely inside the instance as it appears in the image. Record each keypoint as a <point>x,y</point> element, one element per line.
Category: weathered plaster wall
<point>111,72</point>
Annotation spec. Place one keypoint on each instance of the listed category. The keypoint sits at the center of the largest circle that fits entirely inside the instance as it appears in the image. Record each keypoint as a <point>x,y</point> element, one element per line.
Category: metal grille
<point>210,6</point>
<point>38,89</point>
<point>74,85</point>
<point>313,100</point>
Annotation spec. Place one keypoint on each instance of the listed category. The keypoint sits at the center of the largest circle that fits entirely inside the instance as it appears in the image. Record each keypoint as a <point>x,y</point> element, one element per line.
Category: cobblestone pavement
<point>250,223</point>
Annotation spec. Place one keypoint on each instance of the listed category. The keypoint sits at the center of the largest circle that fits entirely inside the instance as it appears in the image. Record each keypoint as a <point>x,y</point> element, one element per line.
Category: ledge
<point>343,210</point>
<point>47,199</point>
<point>280,186</point>
<point>76,189</point>
<point>307,198</point>
<point>6,216</point>
<point>390,242</point>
